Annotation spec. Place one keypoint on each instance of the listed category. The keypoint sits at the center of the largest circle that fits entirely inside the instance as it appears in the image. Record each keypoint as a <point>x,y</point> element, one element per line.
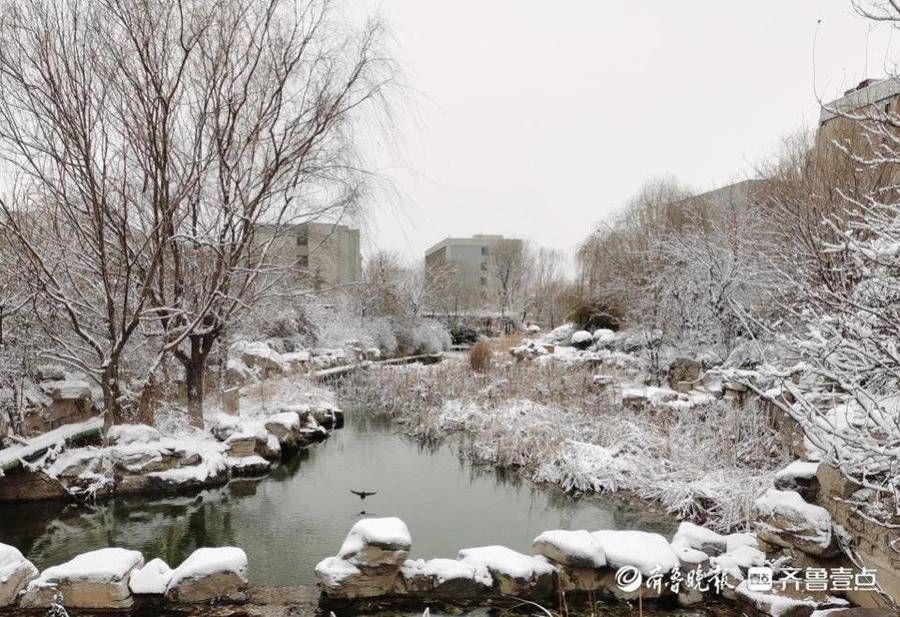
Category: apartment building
<point>461,269</point>
<point>319,255</point>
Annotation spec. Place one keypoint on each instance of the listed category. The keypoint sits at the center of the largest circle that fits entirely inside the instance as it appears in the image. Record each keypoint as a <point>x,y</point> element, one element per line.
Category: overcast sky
<point>538,119</point>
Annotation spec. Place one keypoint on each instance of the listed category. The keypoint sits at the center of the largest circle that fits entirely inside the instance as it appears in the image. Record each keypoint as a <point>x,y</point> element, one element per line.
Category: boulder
<point>15,574</point>
<point>286,428</point>
<point>683,370</point>
<point>446,579</point>
<point>700,538</point>
<point>513,573</point>
<point>800,476</point>
<point>95,580</point>
<point>209,574</point>
<point>247,466</point>
<point>582,339</point>
<point>577,549</point>
<point>338,578</point>
<point>648,552</point>
<point>67,390</point>
<point>375,542</point>
<point>152,579</point>
<point>604,337</point>
<point>784,519</point>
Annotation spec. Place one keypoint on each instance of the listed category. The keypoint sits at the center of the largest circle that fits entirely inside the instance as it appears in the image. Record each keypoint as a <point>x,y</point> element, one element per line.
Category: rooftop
<point>867,92</point>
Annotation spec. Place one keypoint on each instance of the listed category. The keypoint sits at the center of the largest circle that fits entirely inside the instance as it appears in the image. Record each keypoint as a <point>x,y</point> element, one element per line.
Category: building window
<point>303,261</point>
<point>302,238</point>
<point>484,250</point>
<point>483,282</point>
<point>484,266</point>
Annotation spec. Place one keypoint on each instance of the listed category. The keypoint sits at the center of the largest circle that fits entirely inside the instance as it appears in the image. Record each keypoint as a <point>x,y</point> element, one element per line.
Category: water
<point>301,513</point>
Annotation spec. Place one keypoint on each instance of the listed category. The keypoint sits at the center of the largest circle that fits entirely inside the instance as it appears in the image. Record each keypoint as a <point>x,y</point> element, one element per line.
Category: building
<point>319,255</point>
<point>868,97</point>
<point>459,271</point>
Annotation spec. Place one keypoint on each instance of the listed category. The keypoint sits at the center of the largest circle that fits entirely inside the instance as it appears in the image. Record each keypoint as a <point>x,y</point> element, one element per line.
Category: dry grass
<point>481,356</point>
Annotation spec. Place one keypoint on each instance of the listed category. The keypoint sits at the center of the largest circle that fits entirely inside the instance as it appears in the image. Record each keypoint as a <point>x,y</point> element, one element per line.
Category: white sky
<point>537,119</point>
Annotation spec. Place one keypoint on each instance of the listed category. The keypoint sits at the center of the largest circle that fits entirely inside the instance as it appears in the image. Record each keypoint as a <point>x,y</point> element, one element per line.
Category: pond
<point>291,519</point>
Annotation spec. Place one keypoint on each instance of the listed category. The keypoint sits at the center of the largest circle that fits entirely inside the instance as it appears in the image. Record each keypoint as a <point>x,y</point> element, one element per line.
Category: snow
<point>698,537</point>
<point>587,466</point>
<point>562,334</point>
<point>570,548</point>
<point>736,540</point>
<point>648,552</point>
<point>688,555</point>
<point>125,434</point>
<point>66,390</point>
<point>207,561</point>
<point>104,565</point>
<point>11,561</point>
<point>152,578</point>
<point>10,457</point>
<point>582,336</point>
<point>505,561</point>
<point>790,504</point>
<point>382,532</point>
<point>776,605</point>
<point>332,571</point>
<point>734,562</point>
<point>798,469</point>
<point>244,462</point>
<point>444,570</point>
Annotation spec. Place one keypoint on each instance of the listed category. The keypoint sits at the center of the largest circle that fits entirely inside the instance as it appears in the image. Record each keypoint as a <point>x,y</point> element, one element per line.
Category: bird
<point>363,494</point>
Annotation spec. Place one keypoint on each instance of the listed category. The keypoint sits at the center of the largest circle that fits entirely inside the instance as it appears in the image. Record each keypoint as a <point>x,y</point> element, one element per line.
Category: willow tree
<point>152,141</point>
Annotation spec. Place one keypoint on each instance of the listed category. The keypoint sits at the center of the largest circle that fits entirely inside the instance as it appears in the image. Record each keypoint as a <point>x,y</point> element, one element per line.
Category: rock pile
<point>117,580</point>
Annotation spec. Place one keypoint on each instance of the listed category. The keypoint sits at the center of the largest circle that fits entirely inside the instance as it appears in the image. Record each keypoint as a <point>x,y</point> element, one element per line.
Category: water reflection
<point>300,514</point>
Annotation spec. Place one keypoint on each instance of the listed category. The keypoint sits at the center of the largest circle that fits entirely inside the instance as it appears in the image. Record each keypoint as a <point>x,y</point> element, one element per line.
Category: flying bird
<point>363,494</point>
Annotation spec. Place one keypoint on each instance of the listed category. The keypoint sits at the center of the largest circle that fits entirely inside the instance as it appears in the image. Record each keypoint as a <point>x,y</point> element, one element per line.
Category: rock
<point>152,579</point>
<point>241,444</point>
<point>376,542</point>
<point>513,573</point>
<point>209,574</point>
<point>582,339</point>
<point>683,370</point>
<point>604,337</point>
<point>338,578</point>
<point>94,580</point>
<point>561,335</point>
<point>248,466</point>
<point>648,552</point>
<point>800,476</point>
<point>285,427</point>
<point>577,549</point>
<point>783,518</point>
<point>784,604</point>
<point>734,541</point>
<point>528,350</point>
<point>700,538</point>
<point>127,434</point>
<point>446,579</point>
<point>50,372</point>
<point>15,574</point>
<point>67,390</point>
<point>735,563</point>
<point>260,356</point>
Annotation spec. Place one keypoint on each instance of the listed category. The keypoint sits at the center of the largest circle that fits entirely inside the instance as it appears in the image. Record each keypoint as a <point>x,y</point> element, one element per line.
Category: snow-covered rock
<point>736,562</point>
<point>533,329</point>
<point>446,579</point>
<point>153,578</point>
<point>783,518</point>
<point>604,337</point>
<point>581,339</point>
<point>377,542</point>
<point>528,350</point>
<point>67,390</point>
<point>247,466</point>
<point>258,355</point>
<point>648,552</point>
<point>513,573</point>
<point>578,549</point>
<point>94,580</point>
<point>338,578</point>
<point>126,434</point>
<point>561,335</point>
<point>799,476</point>
<point>785,604</point>
<point>700,538</point>
<point>734,541</point>
<point>208,574</point>
<point>15,574</point>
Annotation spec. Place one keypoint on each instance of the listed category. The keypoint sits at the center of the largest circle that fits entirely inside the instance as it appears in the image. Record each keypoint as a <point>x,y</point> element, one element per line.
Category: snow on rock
<point>245,466</point>
<point>734,541</point>
<point>153,578</point>
<point>66,390</point>
<point>783,518</point>
<point>338,578</point>
<point>259,355</point>
<point>15,573</point>
<point>577,549</point>
<point>689,558</point>
<point>533,329</point>
<point>125,434</point>
<point>376,542</point>
<point>514,573</point>
<point>446,578</point>
<point>735,563</point>
<point>799,476</point>
<point>208,574</point>
<point>784,605</point>
<point>700,538</point>
<point>648,552</point>
<point>560,335</point>
<point>582,339</point>
<point>94,580</point>
<point>604,337</point>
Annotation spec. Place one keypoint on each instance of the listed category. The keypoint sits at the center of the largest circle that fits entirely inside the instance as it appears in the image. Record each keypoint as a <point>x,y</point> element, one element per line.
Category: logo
<point>759,579</point>
<point>628,578</point>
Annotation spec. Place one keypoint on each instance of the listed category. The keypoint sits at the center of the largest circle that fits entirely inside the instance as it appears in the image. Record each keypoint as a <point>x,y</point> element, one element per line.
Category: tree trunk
<point>194,364</point>
<point>112,404</point>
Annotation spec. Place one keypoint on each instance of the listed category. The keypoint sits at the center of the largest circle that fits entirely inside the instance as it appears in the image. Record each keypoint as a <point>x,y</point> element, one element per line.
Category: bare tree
<point>157,138</point>
<point>507,271</point>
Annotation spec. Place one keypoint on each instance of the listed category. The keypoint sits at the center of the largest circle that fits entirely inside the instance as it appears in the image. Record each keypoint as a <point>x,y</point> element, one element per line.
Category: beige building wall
<point>319,255</point>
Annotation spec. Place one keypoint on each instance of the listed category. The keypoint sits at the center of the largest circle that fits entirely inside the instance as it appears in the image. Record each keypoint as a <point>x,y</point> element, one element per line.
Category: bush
<point>480,355</point>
